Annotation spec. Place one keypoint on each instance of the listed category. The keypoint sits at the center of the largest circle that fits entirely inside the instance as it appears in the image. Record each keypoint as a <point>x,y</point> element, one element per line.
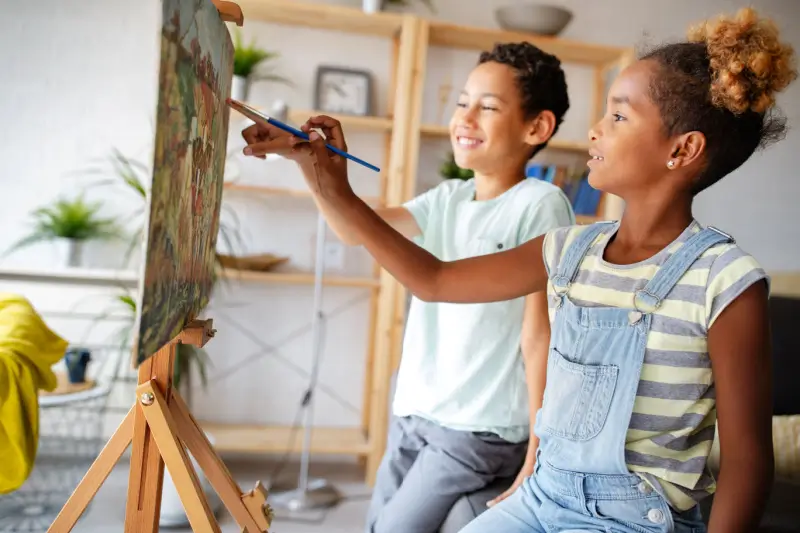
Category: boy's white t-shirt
<point>461,365</point>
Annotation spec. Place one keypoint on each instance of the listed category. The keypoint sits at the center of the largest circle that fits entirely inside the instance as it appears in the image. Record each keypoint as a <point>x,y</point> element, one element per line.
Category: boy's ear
<point>541,128</point>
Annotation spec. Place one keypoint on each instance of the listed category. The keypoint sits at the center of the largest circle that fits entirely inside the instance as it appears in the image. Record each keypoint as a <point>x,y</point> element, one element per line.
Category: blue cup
<point>77,359</point>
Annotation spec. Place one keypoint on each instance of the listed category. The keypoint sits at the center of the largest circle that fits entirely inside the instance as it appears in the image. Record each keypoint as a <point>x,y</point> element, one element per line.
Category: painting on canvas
<point>195,73</point>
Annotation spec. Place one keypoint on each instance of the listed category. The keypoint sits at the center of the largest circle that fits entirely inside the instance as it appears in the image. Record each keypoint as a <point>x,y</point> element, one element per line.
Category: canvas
<point>195,76</point>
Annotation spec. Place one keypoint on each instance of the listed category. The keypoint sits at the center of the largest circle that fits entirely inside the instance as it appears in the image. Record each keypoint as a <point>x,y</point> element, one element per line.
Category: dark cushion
<point>471,505</point>
<point>785,323</point>
<point>781,515</point>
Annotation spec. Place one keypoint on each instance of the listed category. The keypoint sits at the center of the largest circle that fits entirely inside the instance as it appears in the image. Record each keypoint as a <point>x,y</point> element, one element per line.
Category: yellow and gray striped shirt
<point>674,416</point>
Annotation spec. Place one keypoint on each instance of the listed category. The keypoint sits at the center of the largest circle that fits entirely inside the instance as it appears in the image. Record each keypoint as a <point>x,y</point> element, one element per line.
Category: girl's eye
<point>617,117</point>
<point>461,104</point>
<point>488,108</point>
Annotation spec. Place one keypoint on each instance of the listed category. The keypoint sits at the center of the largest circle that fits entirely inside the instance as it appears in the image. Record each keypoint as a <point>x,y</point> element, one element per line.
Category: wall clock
<point>344,91</point>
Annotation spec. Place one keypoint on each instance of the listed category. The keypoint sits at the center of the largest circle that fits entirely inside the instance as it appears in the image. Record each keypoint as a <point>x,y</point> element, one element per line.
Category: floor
<point>107,512</point>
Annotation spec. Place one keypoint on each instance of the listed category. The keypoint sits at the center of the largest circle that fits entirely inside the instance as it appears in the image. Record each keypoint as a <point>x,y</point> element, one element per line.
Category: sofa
<point>782,514</point>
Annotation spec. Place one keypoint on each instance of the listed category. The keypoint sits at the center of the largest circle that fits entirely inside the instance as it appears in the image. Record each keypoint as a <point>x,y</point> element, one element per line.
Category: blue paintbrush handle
<point>304,135</point>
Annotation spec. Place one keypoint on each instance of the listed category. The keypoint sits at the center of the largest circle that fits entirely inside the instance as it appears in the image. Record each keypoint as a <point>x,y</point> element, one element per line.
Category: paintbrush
<point>257,116</point>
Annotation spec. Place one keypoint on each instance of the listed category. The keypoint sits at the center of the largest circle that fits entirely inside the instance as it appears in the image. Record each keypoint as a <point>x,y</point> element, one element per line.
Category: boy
<point>463,412</point>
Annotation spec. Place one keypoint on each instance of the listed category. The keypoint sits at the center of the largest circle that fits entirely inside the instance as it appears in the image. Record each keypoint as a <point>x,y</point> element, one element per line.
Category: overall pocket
<point>577,398</point>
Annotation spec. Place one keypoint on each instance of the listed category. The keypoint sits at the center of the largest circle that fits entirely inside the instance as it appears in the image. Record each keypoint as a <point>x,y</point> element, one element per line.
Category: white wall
<point>81,79</point>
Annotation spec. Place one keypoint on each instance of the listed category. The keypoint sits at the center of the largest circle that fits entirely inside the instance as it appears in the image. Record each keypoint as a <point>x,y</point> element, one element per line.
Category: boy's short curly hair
<point>540,79</point>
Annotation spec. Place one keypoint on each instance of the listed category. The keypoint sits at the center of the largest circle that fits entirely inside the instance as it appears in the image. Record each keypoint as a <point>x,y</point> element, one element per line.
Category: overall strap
<point>649,299</point>
<point>571,261</point>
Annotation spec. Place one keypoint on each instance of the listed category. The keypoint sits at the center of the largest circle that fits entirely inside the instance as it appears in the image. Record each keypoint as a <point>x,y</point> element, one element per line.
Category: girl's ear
<point>687,150</point>
<point>541,128</point>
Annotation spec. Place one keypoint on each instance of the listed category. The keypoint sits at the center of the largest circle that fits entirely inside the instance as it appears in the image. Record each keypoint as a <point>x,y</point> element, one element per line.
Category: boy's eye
<point>461,104</point>
<point>488,108</point>
<point>617,117</point>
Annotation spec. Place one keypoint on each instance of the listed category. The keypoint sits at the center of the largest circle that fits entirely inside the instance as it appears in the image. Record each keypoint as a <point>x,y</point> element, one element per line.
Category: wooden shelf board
<point>349,122</point>
<point>297,278</point>
<point>245,438</point>
<point>321,16</point>
<point>284,191</point>
<point>435,130</point>
<point>476,38</point>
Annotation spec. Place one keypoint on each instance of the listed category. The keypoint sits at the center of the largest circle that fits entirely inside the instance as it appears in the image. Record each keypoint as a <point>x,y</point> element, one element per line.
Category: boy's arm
<point>535,342</point>
<point>740,350</point>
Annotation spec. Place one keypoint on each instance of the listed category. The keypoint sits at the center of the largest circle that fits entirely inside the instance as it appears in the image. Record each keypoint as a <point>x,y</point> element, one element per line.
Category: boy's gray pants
<point>427,468</point>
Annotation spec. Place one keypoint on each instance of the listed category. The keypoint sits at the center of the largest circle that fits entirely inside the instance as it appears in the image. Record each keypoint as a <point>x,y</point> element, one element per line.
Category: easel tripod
<point>160,425</point>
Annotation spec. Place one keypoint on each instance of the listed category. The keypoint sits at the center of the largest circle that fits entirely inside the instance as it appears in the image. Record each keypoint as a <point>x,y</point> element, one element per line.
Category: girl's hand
<point>526,472</point>
<point>325,171</point>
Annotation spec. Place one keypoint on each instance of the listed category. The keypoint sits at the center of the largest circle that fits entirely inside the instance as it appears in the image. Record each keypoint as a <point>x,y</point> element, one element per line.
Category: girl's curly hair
<point>722,82</point>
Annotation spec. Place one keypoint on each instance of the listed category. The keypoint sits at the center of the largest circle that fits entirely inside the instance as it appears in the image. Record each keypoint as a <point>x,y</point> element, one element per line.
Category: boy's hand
<point>524,473</point>
<point>324,170</point>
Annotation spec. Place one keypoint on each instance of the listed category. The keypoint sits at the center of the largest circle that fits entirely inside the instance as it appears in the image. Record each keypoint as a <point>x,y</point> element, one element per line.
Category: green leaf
<point>247,58</point>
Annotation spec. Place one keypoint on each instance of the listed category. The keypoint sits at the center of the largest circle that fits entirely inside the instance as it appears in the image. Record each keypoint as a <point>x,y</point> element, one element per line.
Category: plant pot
<point>77,359</point>
<point>239,88</point>
<point>172,512</point>
<point>69,252</point>
<point>372,6</point>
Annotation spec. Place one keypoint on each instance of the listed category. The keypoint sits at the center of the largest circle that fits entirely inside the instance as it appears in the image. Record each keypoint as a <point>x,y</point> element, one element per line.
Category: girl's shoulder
<point>557,241</point>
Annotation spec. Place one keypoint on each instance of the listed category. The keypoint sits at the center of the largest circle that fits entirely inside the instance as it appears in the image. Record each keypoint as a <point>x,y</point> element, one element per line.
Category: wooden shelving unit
<point>284,191</point>
<point>298,278</point>
<point>403,130</point>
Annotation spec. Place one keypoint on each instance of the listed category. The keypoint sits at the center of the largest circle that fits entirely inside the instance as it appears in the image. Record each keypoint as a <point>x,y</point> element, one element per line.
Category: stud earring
<point>670,164</point>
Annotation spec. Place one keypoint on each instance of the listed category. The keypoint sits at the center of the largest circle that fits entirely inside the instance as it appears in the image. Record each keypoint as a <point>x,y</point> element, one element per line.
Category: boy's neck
<point>488,186</point>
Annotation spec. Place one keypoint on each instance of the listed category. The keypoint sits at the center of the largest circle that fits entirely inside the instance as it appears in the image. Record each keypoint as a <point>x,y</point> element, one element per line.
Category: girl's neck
<point>492,185</point>
<point>647,228</point>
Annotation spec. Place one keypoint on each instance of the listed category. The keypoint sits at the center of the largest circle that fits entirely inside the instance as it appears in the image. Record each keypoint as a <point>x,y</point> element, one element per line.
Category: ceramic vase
<point>372,6</point>
<point>69,252</point>
<point>239,88</point>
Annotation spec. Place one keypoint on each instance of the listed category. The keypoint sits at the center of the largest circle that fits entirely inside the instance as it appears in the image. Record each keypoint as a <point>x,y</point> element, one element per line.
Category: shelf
<point>241,438</point>
<point>475,38</point>
<point>321,16</point>
<point>349,122</point>
<point>297,278</point>
<point>76,276</point>
<point>435,130</point>
<point>283,191</point>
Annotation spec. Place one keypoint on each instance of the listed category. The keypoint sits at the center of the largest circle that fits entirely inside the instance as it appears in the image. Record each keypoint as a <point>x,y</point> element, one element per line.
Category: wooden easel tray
<point>260,262</point>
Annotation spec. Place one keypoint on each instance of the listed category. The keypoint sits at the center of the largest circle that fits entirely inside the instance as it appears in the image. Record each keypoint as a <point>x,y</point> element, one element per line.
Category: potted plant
<point>373,6</point>
<point>69,224</point>
<point>246,59</point>
<point>450,170</point>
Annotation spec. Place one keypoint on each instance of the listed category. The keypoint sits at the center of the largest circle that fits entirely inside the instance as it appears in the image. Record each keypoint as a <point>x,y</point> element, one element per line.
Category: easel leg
<point>146,478</point>
<point>214,469</point>
<point>95,477</point>
<point>163,429</point>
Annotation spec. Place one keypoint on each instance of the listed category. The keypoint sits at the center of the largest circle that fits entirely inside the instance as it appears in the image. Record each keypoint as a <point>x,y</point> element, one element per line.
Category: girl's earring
<point>670,164</point>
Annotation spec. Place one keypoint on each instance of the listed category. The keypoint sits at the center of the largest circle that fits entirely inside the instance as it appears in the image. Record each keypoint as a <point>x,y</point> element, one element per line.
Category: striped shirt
<point>674,415</point>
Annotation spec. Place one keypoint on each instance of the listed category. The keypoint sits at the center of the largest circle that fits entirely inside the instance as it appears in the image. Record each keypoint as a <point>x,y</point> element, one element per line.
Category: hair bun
<point>749,65</point>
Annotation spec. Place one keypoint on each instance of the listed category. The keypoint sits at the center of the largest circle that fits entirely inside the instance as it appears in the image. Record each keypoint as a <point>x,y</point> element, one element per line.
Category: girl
<point>659,325</point>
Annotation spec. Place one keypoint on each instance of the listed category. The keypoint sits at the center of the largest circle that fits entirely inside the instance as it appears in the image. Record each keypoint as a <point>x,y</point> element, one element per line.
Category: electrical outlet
<point>334,256</point>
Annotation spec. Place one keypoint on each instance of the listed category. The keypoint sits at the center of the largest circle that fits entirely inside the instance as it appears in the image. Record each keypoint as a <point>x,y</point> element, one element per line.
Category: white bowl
<point>541,19</point>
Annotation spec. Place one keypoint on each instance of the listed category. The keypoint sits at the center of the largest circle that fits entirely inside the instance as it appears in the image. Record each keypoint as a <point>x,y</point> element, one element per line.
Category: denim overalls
<point>581,482</point>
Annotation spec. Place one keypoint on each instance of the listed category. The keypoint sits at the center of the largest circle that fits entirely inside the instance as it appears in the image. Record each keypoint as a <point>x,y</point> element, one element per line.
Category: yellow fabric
<point>28,348</point>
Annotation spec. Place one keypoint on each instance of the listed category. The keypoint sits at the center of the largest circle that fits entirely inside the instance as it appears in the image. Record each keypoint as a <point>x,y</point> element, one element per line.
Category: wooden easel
<point>160,425</point>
